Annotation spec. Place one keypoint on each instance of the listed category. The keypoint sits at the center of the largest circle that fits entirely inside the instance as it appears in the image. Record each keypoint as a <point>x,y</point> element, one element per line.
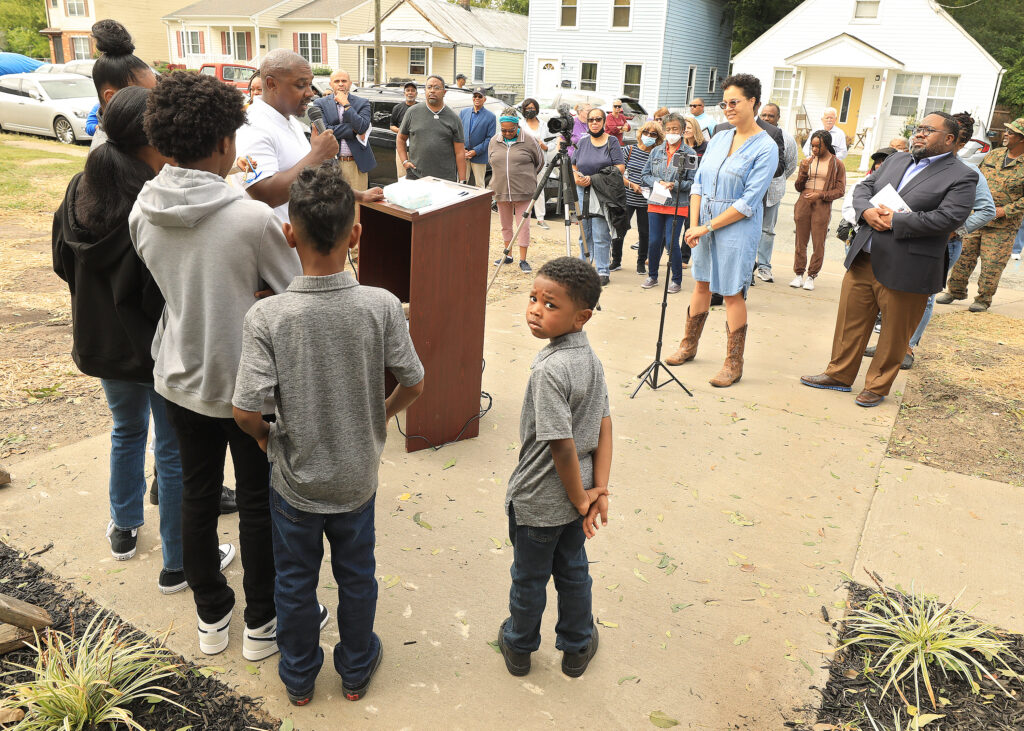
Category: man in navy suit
<point>898,259</point>
<point>480,125</point>
<point>347,116</point>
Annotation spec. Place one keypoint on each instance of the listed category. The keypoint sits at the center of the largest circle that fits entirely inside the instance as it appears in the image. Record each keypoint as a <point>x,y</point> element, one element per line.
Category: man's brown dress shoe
<point>823,381</point>
<point>869,398</point>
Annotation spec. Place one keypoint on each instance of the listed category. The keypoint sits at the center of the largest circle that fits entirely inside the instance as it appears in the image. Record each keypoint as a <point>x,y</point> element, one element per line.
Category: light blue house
<point>664,52</point>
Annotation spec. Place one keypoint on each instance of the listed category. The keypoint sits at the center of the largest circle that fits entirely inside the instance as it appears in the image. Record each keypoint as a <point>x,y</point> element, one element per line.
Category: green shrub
<point>322,71</point>
<point>80,683</point>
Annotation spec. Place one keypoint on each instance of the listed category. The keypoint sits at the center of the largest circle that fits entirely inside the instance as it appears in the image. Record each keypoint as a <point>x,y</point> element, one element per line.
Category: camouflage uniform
<point>993,242</point>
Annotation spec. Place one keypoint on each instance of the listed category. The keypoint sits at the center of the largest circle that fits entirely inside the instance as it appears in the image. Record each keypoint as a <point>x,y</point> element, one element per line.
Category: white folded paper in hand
<point>660,194</point>
<point>889,198</point>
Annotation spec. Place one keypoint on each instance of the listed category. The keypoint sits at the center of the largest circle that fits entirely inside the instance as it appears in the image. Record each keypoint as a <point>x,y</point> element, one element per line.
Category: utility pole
<point>377,72</point>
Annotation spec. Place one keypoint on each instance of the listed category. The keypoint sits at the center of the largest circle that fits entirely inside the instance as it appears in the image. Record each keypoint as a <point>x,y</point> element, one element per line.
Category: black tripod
<point>567,201</point>
<point>649,375</point>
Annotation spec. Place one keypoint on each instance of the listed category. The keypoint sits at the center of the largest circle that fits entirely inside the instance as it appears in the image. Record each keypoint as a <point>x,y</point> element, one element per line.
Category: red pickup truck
<point>237,75</point>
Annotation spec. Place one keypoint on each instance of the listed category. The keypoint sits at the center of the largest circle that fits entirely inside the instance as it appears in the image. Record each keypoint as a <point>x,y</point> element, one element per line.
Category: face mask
<point>673,138</point>
<point>529,113</point>
<point>648,141</point>
<point>598,133</point>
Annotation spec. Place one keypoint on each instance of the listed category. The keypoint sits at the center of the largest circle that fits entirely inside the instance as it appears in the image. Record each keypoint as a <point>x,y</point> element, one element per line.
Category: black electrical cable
<point>477,417</point>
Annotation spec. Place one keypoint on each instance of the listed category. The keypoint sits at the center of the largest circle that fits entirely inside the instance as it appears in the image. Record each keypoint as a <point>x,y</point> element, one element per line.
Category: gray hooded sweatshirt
<point>208,248</point>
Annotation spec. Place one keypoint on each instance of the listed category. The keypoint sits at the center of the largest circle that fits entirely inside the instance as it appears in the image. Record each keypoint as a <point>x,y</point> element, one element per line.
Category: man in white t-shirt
<point>828,123</point>
<point>275,139</point>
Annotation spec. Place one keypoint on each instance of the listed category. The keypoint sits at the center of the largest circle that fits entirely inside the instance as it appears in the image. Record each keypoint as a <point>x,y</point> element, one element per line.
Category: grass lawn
<point>34,172</point>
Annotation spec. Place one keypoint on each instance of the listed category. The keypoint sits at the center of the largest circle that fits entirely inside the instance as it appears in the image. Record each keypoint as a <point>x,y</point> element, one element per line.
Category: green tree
<point>996,25</point>
<point>751,18</point>
<point>521,7</point>
<point>21,21</point>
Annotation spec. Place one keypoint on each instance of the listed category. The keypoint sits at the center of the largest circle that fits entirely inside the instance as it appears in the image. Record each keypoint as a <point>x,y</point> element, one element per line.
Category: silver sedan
<point>55,105</point>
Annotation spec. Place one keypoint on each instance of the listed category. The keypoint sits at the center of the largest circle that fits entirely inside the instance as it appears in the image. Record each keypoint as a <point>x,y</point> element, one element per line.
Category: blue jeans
<point>1018,243</point>
<point>599,238</point>
<point>130,406</point>
<point>659,228</point>
<point>298,553</point>
<point>539,554</point>
<point>954,247</point>
<point>767,242</point>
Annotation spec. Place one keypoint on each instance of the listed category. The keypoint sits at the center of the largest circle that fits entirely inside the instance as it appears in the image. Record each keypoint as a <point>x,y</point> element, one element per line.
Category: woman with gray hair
<point>665,220</point>
<point>515,159</point>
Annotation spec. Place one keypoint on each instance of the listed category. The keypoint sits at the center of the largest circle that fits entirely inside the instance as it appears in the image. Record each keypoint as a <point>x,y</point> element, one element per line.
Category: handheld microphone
<point>316,118</point>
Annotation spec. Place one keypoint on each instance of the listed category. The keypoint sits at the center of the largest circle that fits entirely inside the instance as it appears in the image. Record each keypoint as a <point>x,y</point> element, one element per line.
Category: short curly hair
<point>579,279</point>
<point>322,206</point>
<point>187,114</point>
<point>749,84</point>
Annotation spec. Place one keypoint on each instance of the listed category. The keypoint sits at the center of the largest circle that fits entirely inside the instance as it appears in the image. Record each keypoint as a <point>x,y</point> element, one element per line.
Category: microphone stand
<point>649,375</point>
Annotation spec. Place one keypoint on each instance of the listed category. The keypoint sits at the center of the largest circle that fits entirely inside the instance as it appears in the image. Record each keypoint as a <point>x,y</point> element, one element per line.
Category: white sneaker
<point>260,643</point>
<point>213,637</point>
<point>798,281</point>
<point>227,554</point>
<point>809,284</point>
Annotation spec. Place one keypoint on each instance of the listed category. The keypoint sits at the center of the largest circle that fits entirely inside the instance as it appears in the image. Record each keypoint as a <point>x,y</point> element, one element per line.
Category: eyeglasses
<point>616,106</point>
<point>731,104</point>
<point>925,131</point>
<point>695,105</point>
<point>591,120</point>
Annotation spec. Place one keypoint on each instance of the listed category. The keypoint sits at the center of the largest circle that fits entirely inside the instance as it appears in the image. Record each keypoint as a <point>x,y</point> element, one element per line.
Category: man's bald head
<point>341,82</point>
<point>281,61</point>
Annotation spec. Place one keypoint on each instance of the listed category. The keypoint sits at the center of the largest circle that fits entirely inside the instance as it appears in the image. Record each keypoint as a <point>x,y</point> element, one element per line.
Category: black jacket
<point>913,255</point>
<point>115,304</point>
<point>610,189</point>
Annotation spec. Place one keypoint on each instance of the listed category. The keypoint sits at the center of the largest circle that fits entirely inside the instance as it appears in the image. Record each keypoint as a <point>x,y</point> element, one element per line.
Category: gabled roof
<point>328,9</point>
<point>476,27</point>
<point>224,8</point>
<point>844,50</point>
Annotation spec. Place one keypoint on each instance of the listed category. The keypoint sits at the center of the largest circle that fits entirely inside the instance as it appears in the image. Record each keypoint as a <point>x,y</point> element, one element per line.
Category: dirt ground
<point>963,409</point>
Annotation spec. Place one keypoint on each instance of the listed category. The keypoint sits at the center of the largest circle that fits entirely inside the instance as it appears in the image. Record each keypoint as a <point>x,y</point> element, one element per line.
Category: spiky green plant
<point>80,683</point>
<point>915,635</point>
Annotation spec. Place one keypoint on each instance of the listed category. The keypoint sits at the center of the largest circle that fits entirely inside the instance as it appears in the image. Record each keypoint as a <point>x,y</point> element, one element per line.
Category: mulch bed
<point>214,705</point>
<point>848,696</point>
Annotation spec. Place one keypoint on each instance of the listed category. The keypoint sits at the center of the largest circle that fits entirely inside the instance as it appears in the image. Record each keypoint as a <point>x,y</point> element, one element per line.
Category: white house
<point>664,52</point>
<point>880,63</point>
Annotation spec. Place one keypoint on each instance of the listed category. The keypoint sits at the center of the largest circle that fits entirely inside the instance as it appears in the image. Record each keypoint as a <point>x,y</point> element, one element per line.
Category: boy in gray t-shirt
<point>320,349</point>
<point>558,491</point>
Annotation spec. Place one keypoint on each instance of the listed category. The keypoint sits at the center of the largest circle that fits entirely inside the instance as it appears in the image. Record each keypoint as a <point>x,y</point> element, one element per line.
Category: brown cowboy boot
<point>732,371</point>
<point>688,345</point>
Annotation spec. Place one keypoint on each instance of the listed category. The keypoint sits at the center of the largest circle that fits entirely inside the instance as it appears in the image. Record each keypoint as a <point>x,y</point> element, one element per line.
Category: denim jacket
<point>657,168</point>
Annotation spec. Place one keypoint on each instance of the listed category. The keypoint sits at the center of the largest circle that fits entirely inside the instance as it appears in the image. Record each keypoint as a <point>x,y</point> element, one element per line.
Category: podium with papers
<point>436,260</point>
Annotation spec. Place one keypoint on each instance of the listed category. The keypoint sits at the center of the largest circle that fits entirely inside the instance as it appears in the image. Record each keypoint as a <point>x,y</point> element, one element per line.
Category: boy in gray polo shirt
<point>558,492</point>
<point>320,349</point>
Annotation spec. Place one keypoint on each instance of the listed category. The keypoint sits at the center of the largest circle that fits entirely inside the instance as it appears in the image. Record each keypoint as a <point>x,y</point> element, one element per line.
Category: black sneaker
<point>605,280</point>
<point>297,698</point>
<point>517,663</point>
<point>171,582</point>
<point>635,247</point>
<point>574,664</point>
<point>122,542</point>
<point>227,500</point>
<point>355,692</point>
<point>508,260</point>
<point>641,268</point>
<point>524,266</point>
<point>616,266</point>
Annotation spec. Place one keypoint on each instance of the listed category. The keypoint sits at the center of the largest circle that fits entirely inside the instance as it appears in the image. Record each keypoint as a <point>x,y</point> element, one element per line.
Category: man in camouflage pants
<point>1004,171</point>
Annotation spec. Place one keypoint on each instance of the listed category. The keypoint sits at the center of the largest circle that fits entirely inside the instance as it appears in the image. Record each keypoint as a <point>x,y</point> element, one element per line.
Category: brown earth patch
<point>963,408</point>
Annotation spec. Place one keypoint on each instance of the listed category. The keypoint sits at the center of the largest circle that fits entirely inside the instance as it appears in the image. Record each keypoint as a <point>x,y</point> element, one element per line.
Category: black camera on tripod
<point>685,162</point>
<point>563,123</point>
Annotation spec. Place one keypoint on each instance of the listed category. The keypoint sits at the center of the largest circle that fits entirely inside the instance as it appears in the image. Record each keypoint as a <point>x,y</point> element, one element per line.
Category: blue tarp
<point>15,63</point>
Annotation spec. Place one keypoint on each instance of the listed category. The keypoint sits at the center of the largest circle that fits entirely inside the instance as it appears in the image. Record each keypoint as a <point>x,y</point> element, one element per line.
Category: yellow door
<point>846,95</point>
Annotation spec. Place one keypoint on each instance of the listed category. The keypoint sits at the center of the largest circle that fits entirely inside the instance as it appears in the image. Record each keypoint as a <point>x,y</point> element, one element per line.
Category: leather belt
<point>346,158</point>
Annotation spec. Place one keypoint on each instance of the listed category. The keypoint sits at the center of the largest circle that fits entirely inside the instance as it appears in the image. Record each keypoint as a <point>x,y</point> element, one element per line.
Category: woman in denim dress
<point>726,208</point>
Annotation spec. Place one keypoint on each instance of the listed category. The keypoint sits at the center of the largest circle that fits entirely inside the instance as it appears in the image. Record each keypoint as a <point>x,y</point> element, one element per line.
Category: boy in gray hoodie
<point>209,249</point>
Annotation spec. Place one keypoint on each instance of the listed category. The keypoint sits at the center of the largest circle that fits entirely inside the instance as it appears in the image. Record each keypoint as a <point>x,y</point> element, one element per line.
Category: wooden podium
<point>437,262</point>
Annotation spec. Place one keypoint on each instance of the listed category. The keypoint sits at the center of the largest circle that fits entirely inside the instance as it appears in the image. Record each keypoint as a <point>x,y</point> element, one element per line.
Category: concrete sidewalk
<point>759,495</point>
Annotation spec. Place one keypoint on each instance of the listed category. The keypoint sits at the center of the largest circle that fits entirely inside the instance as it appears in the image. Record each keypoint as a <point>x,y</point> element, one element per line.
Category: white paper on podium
<point>660,194</point>
<point>889,198</point>
<point>425,195</point>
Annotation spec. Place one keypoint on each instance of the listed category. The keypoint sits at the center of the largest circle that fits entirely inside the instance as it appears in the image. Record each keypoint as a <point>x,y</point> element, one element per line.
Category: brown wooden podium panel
<point>437,262</point>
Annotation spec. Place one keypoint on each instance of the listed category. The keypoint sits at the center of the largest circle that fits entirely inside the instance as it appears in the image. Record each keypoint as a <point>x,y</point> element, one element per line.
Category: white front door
<point>547,75</point>
<point>271,41</point>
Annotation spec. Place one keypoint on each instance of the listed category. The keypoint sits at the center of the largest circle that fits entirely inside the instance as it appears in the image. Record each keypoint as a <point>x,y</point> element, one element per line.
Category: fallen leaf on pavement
<point>741,640</point>
<point>662,720</point>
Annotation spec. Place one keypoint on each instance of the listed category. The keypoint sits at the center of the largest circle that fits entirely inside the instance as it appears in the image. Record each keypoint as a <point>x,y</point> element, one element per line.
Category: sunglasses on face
<point>591,120</point>
<point>616,106</point>
<point>695,105</point>
<point>731,104</point>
